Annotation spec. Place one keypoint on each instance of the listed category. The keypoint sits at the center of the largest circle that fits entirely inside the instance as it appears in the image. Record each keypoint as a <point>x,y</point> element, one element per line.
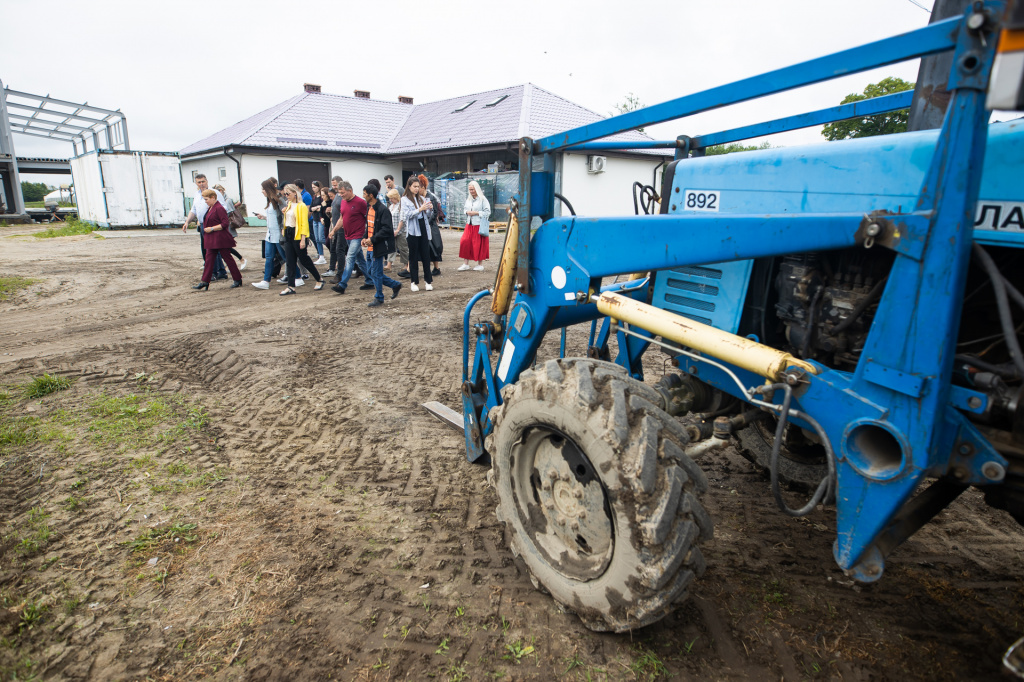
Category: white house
<point>315,136</point>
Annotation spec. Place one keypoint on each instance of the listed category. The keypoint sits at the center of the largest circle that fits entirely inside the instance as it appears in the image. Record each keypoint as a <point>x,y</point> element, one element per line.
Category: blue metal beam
<point>867,107</point>
<point>934,38</point>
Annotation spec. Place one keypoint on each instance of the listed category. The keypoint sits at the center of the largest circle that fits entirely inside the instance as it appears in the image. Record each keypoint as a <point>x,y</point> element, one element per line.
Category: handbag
<point>485,222</point>
<point>235,221</point>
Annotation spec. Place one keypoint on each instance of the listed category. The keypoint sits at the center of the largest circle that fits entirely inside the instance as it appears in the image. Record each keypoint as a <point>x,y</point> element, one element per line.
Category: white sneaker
<point>463,268</point>
<point>413,287</point>
<point>330,273</point>
<point>299,283</point>
<point>429,286</point>
<point>320,261</point>
<point>478,268</point>
<point>261,285</point>
<point>283,280</point>
<point>241,266</point>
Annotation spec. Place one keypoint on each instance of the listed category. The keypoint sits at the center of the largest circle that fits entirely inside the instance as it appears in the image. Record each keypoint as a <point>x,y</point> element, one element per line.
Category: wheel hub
<point>563,504</point>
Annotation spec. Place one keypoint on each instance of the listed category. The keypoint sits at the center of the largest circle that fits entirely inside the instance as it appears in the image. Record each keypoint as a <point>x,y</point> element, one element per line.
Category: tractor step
<point>446,415</point>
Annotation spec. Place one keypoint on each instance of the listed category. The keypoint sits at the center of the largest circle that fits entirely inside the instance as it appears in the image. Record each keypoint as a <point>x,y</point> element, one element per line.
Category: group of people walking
<point>365,234</point>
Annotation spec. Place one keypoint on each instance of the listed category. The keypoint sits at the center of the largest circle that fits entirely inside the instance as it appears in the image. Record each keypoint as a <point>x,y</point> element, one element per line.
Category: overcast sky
<point>183,70</point>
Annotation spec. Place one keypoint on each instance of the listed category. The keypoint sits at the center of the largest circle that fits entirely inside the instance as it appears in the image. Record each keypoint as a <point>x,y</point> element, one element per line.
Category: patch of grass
<point>647,666</point>
<point>18,431</point>
<point>774,594</point>
<point>125,420</point>
<point>36,533</point>
<point>45,385</point>
<point>179,469</point>
<point>31,615</point>
<point>12,285</point>
<point>73,504</point>
<point>442,648</point>
<point>457,673</point>
<point>72,603</point>
<point>517,651</point>
<point>72,227</point>
<point>154,537</point>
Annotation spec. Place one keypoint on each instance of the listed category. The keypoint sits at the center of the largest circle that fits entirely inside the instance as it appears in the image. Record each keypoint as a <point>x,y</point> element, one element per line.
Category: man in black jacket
<point>380,240</point>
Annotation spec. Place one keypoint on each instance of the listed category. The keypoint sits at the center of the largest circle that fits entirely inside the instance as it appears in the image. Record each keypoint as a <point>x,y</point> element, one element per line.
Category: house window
<point>496,102</point>
<point>465,106</point>
<point>222,173</point>
<point>194,174</point>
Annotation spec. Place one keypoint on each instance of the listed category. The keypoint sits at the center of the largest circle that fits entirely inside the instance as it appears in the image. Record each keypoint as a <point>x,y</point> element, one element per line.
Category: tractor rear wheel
<point>601,503</point>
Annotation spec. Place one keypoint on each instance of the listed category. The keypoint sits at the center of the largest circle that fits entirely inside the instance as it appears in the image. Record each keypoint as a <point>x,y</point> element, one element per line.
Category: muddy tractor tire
<point>601,503</point>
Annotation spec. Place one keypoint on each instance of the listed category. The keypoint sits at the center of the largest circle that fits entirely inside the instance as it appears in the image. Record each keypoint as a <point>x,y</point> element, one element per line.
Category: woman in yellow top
<point>296,234</point>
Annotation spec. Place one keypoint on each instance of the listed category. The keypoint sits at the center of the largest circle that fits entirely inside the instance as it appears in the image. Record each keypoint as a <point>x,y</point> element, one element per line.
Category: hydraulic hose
<point>566,202</point>
<point>1003,303</point>
<point>825,488</point>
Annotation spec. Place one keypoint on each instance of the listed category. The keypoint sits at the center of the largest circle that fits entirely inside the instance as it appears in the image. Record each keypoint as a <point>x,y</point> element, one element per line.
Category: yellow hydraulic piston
<point>504,283</point>
<point>737,350</point>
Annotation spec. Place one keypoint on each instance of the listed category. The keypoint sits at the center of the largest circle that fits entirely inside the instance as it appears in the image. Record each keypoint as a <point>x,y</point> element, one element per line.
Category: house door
<point>307,171</point>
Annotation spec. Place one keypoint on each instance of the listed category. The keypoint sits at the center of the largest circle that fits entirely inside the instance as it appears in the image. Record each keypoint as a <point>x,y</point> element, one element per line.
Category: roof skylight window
<point>465,106</point>
<point>496,102</point>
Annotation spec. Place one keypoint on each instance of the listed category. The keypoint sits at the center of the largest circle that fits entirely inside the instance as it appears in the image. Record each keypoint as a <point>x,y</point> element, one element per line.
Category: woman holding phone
<point>416,220</point>
<point>275,232</point>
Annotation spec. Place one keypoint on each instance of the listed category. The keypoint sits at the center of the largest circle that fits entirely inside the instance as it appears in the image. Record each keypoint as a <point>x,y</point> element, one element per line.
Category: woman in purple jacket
<point>217,240</point>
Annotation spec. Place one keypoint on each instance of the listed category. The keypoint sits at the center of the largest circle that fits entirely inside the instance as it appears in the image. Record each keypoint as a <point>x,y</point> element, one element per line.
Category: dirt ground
<point>238,486</point>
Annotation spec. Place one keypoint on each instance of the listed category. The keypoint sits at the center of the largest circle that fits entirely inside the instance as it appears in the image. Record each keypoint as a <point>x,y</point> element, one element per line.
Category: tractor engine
<point>827,301</point>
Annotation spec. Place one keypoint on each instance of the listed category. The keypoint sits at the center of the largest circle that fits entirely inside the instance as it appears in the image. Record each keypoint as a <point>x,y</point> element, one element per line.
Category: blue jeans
<point>354,256</point>
<point>319,236</point>
<point>380,280</point>
<point>268,269</point>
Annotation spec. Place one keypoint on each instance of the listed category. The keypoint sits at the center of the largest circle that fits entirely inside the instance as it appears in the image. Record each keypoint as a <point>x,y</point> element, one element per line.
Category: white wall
<point>609,193</point>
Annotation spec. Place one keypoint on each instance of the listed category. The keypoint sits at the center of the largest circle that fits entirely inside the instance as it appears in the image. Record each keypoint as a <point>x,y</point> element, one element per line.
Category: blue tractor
<point>843,312</point>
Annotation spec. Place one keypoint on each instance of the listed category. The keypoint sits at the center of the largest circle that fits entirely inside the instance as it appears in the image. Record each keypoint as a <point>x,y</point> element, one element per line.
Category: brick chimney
<point>362,94</point>
<point>405,100</point>
<point>310,87</point>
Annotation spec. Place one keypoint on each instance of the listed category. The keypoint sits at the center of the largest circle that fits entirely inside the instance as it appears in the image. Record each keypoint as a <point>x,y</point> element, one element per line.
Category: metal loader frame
<point>890,424</point>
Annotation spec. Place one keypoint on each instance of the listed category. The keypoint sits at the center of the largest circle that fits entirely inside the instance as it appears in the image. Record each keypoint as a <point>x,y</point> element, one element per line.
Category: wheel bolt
<point>578,493</point>
<point>545,485</point>
<point>565,477</point>
<point>552,474</point>
<point>561,520</point>
<point>575,525</point>
<point>582,514</point>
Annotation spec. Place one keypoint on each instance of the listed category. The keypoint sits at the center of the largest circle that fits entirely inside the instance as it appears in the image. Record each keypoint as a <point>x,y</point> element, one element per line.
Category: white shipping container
<point>129,189</point>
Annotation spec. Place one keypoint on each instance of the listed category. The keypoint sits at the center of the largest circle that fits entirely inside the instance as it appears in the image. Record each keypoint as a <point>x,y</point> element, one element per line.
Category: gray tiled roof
<point>318,121</point>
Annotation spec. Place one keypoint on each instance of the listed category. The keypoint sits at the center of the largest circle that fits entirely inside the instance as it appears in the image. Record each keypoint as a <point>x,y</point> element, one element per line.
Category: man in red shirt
<point>353,222</point>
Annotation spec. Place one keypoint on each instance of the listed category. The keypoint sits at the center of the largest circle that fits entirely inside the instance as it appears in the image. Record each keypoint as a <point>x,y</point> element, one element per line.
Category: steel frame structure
<point>901,391</point>
<point>54,119</point>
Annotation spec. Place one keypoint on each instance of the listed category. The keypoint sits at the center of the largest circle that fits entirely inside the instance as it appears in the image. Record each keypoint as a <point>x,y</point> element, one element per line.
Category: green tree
<point>718,149</point>
<point>630,103</point>
<point>879,124</point>
<point>34,191</point>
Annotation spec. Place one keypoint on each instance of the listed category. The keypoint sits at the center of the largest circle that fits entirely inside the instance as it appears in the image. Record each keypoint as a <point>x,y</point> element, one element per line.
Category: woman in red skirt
<point>475,244</point>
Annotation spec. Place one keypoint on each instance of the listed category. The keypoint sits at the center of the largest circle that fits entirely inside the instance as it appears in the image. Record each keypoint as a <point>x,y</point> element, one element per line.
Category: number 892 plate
<point>700,200</point>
